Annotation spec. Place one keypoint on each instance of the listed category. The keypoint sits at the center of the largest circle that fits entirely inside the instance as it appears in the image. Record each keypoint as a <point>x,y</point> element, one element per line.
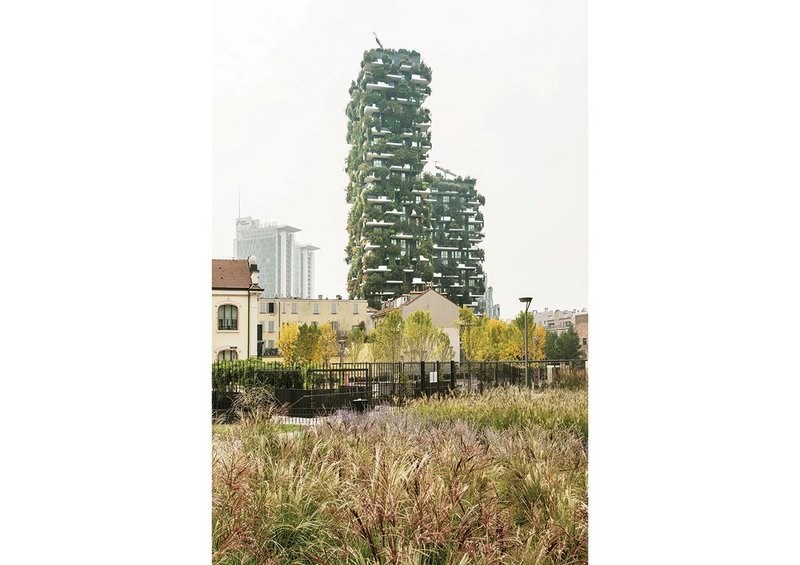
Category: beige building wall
<point>344,314</point>
<point>242,339</point>
<point>581,324</point>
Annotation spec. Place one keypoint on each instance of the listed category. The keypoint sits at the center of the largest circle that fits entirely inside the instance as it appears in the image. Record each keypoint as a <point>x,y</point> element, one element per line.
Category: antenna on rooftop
<point>378,40</point>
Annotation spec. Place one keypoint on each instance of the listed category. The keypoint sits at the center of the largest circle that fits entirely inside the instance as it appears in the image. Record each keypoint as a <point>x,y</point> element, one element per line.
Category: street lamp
<point>342,341</point>
<point>527,301</point>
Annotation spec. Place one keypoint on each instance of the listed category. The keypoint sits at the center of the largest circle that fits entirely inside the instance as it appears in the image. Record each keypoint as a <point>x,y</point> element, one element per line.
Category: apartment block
<point>286,266</point>
<point>456,232</point>
<point>273,313</point>
<point>389,248</point>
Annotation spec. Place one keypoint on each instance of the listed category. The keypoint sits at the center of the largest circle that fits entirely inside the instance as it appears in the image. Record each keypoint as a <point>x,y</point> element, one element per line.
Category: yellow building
<point>273,313</point>
<point>234,308</point>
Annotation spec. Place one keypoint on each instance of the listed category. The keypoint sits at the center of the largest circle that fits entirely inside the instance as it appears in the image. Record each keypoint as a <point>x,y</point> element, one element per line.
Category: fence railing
<point>312,391</point>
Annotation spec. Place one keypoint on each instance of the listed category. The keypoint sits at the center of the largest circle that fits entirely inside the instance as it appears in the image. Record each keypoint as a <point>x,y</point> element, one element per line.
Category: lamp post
<point>527,301</point>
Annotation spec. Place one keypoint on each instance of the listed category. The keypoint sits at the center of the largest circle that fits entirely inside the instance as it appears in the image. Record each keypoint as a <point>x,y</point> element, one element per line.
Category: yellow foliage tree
<point>327,346</point>
<point>287,342</point>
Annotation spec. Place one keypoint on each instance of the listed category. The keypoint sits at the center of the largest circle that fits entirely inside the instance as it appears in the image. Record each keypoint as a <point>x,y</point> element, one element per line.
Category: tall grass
<point>421,485</point>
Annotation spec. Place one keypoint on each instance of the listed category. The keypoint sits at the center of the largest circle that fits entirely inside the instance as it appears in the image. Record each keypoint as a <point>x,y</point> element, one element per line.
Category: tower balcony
<point>378,223</point>
<point>424,127</point>
<point>379,86</point>
<point>417,79</point>
<point>394,77</point>
<point>405,67</point>
<point>372,65</point>
<point>370,109</point>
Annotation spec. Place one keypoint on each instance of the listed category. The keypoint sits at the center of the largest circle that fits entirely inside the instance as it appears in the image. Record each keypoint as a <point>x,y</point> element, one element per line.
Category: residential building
<point>389,247</point>
<point>581,323</point>
<point>444,312</point>
<point>234,306</point>
<point>286,266</point>
<point>456,232</point>
<point>559,321</point>
<point>273,313</point>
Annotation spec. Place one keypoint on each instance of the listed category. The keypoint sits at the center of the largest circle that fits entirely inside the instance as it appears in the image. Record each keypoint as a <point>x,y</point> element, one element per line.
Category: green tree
<point>422,341</point>
<point>356,342</point>
<point>387,338</point>
<point>569,345</point>
<point>551,346</point>
<point>308,343</point>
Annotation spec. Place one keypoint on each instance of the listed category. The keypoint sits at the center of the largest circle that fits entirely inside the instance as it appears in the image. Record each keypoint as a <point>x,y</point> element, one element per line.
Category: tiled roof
<point>413,295</point>
<point>233,274</point>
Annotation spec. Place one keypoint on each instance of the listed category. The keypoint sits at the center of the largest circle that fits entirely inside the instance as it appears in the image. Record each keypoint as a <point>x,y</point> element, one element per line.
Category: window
<point>283,307</point>
<point>445,199</point>
<point>227,315</point>
<point>471,227</point>
<point>456,254</point>
<point>227,355</point>
<point>584,341</point>
<point>335,327</point>
<point>271,344</point>
<point>444,262</point>
<point>444,255</point>
<point>377,163</point>
<point>294,307</point>
<point>262,307</point>
<point>417,199</point>
<point>355,307</point>
<point>270,307</point>
<point>271,327</point>
<point>315,308</point>
<point>333,307</point>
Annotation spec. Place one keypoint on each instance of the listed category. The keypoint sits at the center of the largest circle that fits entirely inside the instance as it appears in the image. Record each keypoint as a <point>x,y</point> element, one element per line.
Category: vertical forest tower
<point>388,132</point>
<point>406,230</point>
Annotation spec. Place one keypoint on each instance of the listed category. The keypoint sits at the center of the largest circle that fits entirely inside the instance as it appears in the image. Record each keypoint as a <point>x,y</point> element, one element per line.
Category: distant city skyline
<point>508,107</point>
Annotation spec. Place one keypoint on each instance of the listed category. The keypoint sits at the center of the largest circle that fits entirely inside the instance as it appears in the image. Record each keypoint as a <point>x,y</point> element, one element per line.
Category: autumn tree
<point>287,342</point>
<point>327,345</point>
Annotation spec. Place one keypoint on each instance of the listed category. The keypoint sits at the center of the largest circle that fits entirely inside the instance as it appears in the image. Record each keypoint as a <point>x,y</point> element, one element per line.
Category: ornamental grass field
<point>492,478</point>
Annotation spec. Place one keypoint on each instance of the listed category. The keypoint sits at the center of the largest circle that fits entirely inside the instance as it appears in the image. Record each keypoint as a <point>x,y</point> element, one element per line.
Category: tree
<point>569,344</point>
<point>387,338</point>
<point>551,346</point>
<point>327,345</point>
<point>513,342</point>
<point>356,342</point>
<point>307,343</point>
<point>287,342</point>
<point>422,340</point>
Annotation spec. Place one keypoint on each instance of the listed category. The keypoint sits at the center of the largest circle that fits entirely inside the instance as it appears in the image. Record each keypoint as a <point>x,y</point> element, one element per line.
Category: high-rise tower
<point>389,249</point>
<point>457,231</point>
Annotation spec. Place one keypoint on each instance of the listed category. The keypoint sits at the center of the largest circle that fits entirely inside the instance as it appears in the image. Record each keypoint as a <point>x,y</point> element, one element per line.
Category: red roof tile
<point>233,274</point>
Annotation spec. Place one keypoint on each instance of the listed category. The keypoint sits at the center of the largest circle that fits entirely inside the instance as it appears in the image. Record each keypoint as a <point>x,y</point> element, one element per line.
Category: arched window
<point>228,315</point>
<point>227,355</point>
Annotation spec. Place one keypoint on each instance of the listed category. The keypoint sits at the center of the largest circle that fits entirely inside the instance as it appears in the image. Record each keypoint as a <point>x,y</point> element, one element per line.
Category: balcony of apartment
<point>378,269</point>
<point>407,134</point>
<point>417,79</point>
<point>393,282</point>
<point>386,155</point>
<point>370,109</point>
<point>405,167</point>
<point>378,199</point>
<point>469,211</point>
<point>405,67</point>
<point>378,223</point>
<point>394,144</point>
<point>379,86</point>
<point>381,131</point>
<point>394,77</point>
<point>370,246</point>
<point>372,65</point>
<point>424,127</point>
<point>403,235</point>
<point>463,267</point>
<point>395,212</point>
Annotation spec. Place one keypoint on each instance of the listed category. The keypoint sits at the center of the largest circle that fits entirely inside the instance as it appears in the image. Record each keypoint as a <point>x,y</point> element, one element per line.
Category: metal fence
<point>310,392</point>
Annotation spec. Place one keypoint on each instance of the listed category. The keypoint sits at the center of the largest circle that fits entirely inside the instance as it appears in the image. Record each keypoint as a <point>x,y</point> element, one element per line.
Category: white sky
<point>508,107</point>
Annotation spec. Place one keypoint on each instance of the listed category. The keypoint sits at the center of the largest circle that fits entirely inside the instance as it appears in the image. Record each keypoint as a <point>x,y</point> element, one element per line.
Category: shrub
<point>229,376</point>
